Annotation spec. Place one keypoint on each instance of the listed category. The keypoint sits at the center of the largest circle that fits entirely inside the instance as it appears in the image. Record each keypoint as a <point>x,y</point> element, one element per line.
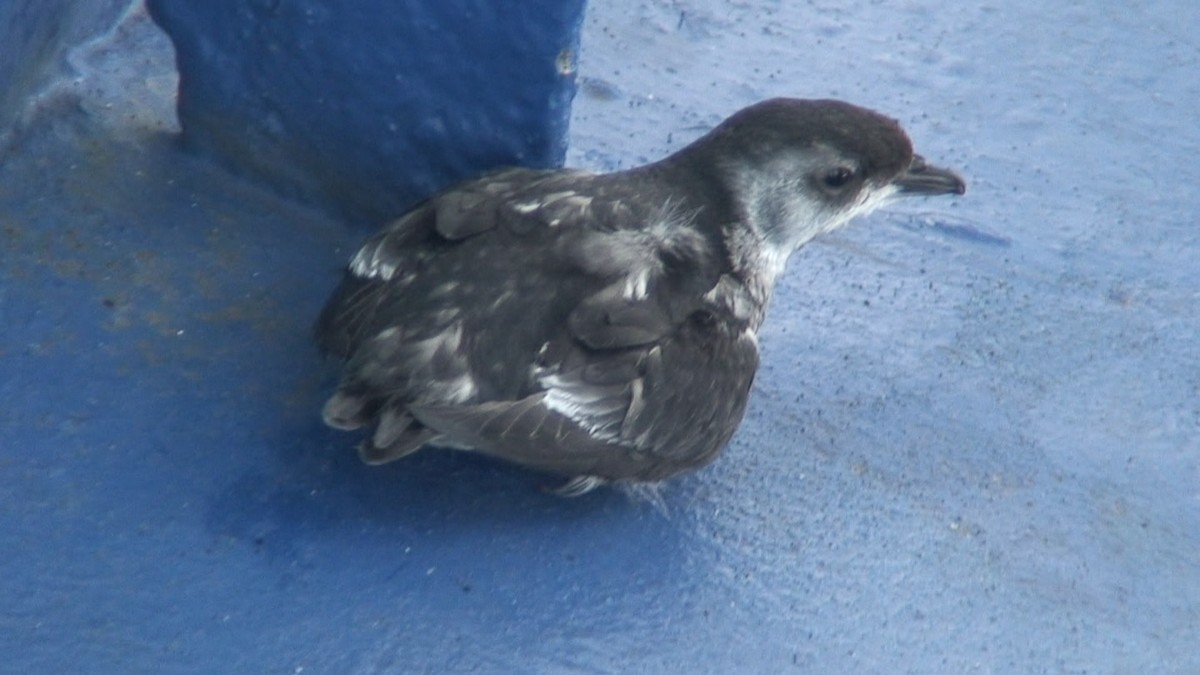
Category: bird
<point>601,327</point>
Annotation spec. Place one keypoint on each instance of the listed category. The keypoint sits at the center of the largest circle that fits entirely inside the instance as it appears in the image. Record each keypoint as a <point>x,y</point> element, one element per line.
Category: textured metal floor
<point>974,445</point>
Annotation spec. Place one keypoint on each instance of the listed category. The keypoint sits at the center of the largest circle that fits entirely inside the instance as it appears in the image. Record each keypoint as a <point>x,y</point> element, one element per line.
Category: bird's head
<point>797,168</point>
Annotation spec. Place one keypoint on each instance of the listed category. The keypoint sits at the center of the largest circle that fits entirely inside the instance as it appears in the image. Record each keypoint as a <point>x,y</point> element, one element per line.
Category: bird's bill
<point>922,178</point>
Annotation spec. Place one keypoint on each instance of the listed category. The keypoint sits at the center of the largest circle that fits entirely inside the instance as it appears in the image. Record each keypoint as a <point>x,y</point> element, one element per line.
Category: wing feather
<point>641,369</point>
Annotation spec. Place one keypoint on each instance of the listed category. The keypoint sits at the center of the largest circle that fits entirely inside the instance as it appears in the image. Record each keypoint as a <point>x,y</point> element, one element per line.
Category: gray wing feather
<point>631,385</point>
<point>524,431</point>
<point>463,213</point>
<point>608,320</point>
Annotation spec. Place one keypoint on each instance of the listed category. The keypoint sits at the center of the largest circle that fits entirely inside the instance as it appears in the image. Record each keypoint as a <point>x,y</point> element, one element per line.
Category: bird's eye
<point>837,177</point>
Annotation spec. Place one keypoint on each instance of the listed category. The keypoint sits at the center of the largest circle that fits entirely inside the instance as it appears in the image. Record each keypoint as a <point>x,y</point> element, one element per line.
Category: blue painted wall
<point>369,107</point>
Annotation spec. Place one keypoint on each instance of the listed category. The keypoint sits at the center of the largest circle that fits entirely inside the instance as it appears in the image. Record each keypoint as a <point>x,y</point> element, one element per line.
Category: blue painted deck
<point>974,445</point>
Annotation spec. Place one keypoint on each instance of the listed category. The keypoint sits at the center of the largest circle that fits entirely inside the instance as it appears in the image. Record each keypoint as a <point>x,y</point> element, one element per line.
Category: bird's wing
<point>619,300</point>
<point>573,433</point>
<point>632,397</point>
<point>642,270</point>
<point>639,413</point>
<point>655,276</point>
<point>392,257</point>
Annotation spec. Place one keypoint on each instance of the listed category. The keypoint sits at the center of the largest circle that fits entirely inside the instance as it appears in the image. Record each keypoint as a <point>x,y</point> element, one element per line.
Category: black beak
<point>926,179</point>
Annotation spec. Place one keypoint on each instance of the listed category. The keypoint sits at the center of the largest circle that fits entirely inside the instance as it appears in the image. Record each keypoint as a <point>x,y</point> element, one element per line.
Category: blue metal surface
<point>974,445</point>
<point>370,107</point>
<point>35,36</point>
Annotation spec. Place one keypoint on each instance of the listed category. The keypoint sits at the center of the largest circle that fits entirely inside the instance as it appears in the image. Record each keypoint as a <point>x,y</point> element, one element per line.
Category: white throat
<point>782,216</point>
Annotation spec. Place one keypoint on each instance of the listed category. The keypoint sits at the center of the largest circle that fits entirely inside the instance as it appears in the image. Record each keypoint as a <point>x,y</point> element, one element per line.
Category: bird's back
<point>560,290</point>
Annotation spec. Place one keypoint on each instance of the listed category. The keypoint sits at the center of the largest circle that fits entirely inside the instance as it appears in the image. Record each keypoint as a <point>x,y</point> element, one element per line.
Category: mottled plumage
<point>600,326</point>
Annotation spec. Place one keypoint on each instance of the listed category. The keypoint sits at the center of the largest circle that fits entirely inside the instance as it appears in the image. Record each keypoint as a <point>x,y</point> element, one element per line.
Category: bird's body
<point>600,326</point>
